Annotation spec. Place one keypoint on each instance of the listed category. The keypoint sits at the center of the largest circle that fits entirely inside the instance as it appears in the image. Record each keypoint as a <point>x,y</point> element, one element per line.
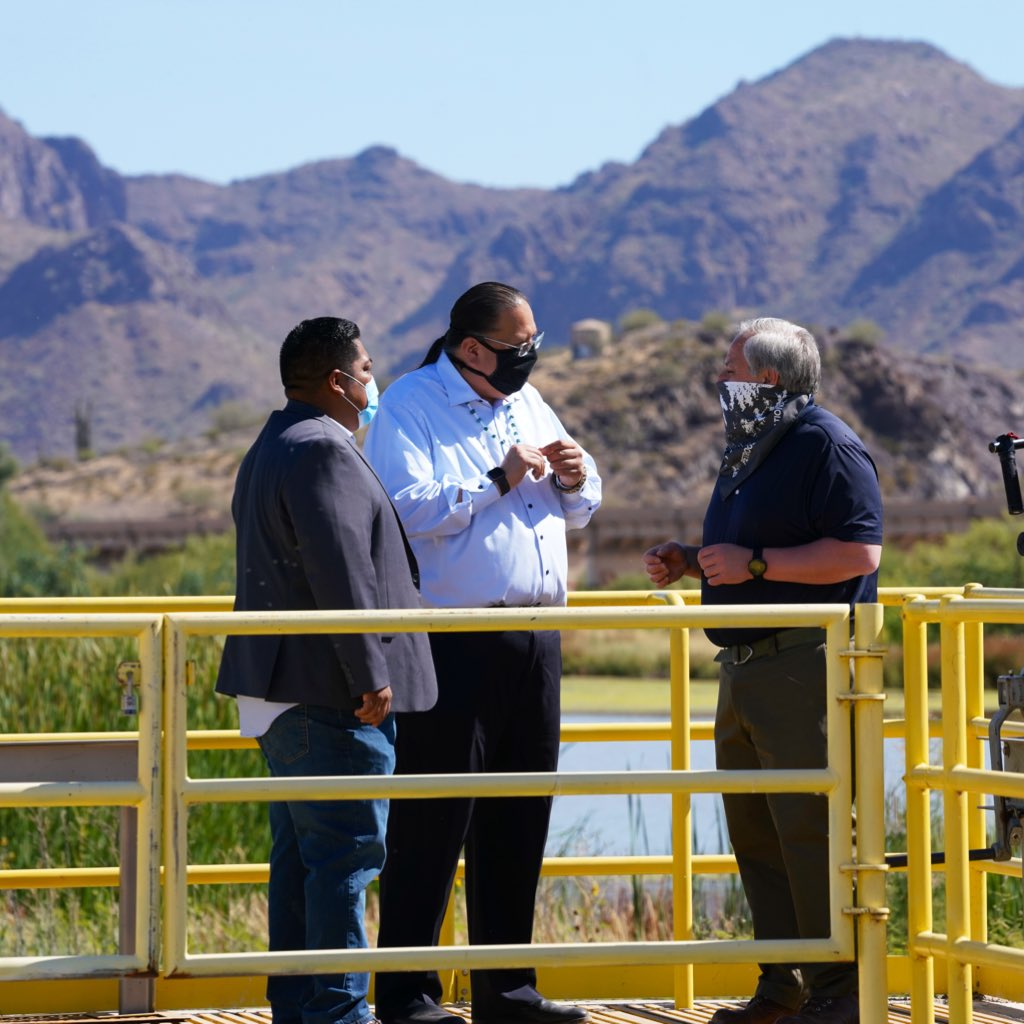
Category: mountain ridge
<point>820,192</point>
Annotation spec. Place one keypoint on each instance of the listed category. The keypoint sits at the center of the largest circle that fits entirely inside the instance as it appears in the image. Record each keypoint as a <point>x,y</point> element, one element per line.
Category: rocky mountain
<point>868,179</point>
<point>778,195</point>
<point>55,183</point>
<point>959,261</point>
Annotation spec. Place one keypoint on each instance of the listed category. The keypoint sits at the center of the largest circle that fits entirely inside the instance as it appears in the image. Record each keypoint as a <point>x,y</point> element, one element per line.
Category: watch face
<point>757,567</point>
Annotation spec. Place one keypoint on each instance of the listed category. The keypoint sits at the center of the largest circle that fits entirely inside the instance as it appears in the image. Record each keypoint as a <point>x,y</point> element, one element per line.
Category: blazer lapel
<point>414,566</point>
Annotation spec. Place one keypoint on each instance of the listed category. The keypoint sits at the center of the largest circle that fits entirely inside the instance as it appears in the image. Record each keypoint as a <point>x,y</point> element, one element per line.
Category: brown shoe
<point>758,1011</point>
<point>827,1010</point>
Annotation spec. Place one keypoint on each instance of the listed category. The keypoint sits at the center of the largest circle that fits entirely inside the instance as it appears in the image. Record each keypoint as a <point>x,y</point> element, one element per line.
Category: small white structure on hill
<point>589,337</point>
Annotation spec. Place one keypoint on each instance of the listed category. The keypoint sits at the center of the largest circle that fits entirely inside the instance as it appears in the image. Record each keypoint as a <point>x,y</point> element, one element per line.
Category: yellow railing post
<point>974,679</point>
<point>869,754</point>
<point>918,817</point>
<point>840,799</point>
<point>451,981</point>
<point>954,755</point>
<point>175,811</point>
<point>148,832</point>
<point>682,832</point>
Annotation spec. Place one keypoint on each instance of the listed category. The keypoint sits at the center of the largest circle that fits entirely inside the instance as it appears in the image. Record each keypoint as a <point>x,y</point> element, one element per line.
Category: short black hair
<point>315,347</point>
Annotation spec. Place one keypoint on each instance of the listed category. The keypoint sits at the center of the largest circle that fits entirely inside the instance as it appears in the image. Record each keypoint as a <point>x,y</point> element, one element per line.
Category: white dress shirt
<point>431,443</point>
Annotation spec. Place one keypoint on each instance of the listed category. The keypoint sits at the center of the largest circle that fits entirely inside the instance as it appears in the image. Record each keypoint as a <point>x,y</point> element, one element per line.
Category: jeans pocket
<point>287,739</point>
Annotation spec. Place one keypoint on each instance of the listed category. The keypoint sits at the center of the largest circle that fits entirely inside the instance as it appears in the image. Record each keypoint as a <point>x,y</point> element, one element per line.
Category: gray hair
<point>788,349</point>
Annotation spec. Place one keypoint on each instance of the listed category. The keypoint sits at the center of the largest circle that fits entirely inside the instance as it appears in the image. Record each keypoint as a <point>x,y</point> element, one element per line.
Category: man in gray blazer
<point>316,530</point>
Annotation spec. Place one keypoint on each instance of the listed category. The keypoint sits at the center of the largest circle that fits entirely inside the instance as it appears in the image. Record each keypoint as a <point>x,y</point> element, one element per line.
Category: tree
<point>8,464</point>
<point>83,431</point>
<point>29,565</point>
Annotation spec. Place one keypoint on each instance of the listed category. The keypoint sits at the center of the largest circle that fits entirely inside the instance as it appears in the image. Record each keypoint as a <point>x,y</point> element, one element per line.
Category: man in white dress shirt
<point>486,481</point>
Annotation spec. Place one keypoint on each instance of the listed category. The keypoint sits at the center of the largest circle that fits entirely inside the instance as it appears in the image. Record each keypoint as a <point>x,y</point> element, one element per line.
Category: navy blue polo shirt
<point>818,481</point>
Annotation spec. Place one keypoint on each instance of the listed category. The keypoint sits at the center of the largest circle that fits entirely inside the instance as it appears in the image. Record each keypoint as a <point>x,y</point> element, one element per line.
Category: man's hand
<point>522,459</point>
<point>375,706</point>
<point>566,460</point>
<point>725,563</point>
<point>666,563</point>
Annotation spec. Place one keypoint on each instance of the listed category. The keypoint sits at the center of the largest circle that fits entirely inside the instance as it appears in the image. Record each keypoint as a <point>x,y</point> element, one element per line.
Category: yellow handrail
<point>957,614</point>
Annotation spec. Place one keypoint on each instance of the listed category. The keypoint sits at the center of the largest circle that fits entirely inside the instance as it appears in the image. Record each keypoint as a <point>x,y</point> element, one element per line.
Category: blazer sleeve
<point>332,500</point>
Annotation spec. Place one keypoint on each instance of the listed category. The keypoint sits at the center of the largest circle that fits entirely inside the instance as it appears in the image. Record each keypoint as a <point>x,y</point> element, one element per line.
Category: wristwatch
<point>497,475</point>
<point>576,487</point>
<point>757,566</point>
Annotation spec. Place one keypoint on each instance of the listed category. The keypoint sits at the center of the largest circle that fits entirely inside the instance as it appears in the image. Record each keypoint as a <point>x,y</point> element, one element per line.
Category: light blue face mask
<point>372,400</point>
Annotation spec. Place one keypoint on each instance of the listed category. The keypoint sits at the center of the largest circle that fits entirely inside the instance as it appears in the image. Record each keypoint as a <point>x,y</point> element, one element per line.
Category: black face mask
<point>511,373</point>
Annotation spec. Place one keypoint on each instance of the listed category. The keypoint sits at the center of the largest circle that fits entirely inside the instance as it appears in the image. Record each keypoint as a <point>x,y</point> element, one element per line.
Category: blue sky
<point>527,93</point>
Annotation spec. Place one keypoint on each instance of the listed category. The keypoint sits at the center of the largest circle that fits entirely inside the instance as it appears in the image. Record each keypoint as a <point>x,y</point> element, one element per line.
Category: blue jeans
<point>323,855</point>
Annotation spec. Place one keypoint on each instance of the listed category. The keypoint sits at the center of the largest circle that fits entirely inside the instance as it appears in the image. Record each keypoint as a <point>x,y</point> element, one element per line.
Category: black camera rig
<point>1005,446</point>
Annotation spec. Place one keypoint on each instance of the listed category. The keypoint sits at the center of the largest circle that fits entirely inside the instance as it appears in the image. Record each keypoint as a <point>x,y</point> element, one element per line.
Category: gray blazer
<point>316,530</point>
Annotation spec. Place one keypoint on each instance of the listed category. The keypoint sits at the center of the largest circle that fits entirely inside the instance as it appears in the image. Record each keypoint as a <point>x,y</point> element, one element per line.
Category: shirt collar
<point>296,405</point>
<point>457,387</point>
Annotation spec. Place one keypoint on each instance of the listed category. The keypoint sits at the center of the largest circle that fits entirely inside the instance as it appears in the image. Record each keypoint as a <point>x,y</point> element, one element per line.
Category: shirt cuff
<point>482,492</point>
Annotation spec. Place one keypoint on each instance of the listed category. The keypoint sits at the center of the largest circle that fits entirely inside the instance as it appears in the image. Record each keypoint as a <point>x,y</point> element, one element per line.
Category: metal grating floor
<point>985,1012</point>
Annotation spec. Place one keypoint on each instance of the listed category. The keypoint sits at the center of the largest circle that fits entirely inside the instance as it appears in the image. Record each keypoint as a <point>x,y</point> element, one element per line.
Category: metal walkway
<point>986,1011</point>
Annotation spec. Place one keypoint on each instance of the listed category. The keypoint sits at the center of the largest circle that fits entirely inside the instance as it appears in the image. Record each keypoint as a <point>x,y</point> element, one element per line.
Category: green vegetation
<point>233,415</point>
<point>8,464</point>
<point>985,553</point>
<point>205,565</point>
<point>635,319</point>
<point>865,331</point>
<point>717,323</point>
<point>31,567</point>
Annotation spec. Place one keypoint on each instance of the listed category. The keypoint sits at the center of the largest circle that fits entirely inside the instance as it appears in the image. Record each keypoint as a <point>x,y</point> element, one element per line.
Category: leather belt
<point>740,654</point>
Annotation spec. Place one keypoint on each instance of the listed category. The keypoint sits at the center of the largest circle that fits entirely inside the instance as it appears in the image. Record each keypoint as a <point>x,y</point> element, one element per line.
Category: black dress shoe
<point>758,1011</point>
<point>827,1010</point>
<point>421,1013</point>
<point>540,1011</point>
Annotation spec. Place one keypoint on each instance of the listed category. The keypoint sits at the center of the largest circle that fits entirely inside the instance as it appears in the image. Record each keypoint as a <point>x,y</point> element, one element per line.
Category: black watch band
<point>497,475</point>
<point>757,565</point>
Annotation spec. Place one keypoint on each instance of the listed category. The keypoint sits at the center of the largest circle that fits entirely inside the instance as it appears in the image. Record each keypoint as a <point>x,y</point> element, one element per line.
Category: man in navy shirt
<point>795,517</point>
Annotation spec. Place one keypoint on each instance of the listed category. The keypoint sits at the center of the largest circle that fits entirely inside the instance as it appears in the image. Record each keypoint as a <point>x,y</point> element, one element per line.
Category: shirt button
<point>529,506</point>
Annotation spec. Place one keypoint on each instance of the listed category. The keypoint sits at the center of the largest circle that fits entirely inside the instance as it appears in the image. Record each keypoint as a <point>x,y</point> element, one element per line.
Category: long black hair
<point>475,312</point>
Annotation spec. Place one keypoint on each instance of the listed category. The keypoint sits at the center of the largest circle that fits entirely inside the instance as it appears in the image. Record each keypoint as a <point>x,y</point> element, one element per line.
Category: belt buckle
<point>750,654</point>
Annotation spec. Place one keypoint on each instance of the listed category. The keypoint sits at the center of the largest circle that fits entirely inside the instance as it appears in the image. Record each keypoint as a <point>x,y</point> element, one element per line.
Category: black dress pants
<point>497,711</point>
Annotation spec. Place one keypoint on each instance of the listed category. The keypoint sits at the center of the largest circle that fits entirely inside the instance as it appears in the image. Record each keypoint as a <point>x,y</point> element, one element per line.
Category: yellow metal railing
<point>834,780</point>
<point>141,793</point>
<point>961,779</point>
<point>959,613</point>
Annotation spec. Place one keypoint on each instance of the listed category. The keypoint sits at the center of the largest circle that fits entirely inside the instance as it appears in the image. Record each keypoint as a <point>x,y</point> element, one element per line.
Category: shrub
<point>637,318</point>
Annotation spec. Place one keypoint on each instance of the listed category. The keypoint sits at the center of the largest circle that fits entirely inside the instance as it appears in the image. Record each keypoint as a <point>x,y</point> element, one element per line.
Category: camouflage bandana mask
<point>756,417</point>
